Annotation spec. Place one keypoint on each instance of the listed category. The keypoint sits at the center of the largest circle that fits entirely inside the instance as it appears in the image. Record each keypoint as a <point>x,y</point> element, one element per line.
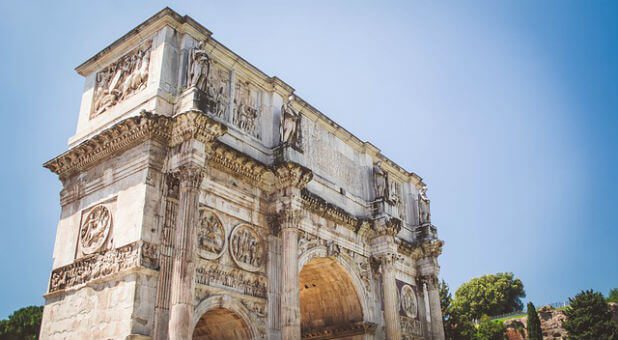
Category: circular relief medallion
<point>408,301</point>
<point>95,229</point>
<point>210,236</point>
<point>246,248</point>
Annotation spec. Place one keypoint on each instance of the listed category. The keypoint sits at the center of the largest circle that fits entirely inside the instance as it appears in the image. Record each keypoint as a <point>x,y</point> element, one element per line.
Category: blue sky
<point>508,110</point>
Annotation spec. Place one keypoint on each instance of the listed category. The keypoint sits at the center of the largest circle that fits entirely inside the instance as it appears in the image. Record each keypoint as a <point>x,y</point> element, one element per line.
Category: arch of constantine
<point>203,199</point>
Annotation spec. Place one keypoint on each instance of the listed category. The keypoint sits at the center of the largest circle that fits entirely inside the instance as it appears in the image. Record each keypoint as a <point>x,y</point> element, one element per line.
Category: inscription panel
<point>331,158</point>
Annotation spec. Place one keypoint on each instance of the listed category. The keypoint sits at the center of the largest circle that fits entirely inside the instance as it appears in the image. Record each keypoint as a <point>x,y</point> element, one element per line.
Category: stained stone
<point>203,199</point>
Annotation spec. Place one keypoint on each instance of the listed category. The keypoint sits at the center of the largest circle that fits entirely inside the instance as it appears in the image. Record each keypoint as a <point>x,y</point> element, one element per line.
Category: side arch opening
<point>330,307</point>
<point>221,324</point>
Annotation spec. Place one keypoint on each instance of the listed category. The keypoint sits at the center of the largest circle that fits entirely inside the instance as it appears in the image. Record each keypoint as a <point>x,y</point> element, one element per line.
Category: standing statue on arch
<point>423,206</point>
<point>199,66</point>
<point>288,129</point>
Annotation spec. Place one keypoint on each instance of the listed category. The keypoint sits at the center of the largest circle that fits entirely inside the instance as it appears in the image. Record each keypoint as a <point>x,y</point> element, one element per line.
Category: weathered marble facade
<point>203,199</point>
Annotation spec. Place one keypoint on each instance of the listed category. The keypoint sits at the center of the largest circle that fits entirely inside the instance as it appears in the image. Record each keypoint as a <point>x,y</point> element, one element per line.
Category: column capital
<point>194,124</point>
<point>291,175</point>
<point>429,249</point>
<point>387,260</point>
<point>190,176</point>
<point>286,218</point>
<point>385,226</point>
<point>432,281</point>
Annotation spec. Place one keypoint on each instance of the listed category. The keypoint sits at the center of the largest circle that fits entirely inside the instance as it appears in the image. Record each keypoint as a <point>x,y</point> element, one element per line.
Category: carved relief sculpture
<point>410,328</point>
<point>246,248</point>
<point>95,229</point>
<point>394,192</point>
<point>218,90</point>
<point>121,79</point>
<point>288,129</point>
<point>210,236</point>
<point>104,264</point>
<point>246,108</point>
<point>409,304</point>
<point>214,274</point>
<point>423,206</point>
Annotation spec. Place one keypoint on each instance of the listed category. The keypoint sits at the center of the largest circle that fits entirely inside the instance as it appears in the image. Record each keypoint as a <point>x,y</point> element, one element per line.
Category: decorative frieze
<point>410,328</point>
<point>213,274</point>
<point>121,79</point>
<point>101,265</point>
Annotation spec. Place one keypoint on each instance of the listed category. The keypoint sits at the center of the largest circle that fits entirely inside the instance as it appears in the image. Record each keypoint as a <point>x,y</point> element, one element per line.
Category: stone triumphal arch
<point>203,199</point>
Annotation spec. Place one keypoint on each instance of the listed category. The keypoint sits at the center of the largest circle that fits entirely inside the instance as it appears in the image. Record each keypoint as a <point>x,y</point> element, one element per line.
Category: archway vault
<point>222,317</point>
<point>330,305</point>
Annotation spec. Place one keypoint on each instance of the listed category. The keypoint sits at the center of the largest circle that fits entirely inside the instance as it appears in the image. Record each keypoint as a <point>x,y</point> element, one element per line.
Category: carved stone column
<point>384,248</point>
<point>390,297</point>
<point>290,290</point>
<point>433,290</point>
<point>194,133</point>
<point>426,257</point>
<point>183,281</point>
<point>291,178</point>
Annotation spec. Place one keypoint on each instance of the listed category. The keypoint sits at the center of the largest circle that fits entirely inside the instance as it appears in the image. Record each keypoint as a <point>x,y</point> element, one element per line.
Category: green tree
<point>613,295</point>
<point>455,326</point>
<point>489,295</point>
<point>588,317</point>
<point>491,330</point>
<point>533,324</point>
<point>23,324</point>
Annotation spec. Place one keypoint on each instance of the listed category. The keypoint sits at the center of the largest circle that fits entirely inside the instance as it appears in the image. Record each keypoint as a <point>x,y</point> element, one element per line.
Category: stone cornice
<point>225,158</point>
<point>195,125</point>
<point>320,207</point>
<point>121,136</point>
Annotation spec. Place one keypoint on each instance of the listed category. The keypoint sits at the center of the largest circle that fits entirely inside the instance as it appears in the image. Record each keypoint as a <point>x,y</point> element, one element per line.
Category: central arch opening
<point>221,324</point>
<point>329,304</point>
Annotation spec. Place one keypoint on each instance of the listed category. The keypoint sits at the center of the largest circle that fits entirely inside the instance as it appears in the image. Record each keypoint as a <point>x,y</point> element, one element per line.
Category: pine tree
<point>588,317</point>
<point>534,324</point>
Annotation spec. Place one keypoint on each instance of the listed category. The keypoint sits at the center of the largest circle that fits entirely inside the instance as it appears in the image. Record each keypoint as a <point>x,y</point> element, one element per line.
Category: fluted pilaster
<point>183,281</point>
<point>390,297</point>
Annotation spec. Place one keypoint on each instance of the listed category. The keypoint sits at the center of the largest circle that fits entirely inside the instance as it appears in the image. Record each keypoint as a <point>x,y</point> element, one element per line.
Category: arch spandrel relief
<point>211,240</point>
<point>247,248</point>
